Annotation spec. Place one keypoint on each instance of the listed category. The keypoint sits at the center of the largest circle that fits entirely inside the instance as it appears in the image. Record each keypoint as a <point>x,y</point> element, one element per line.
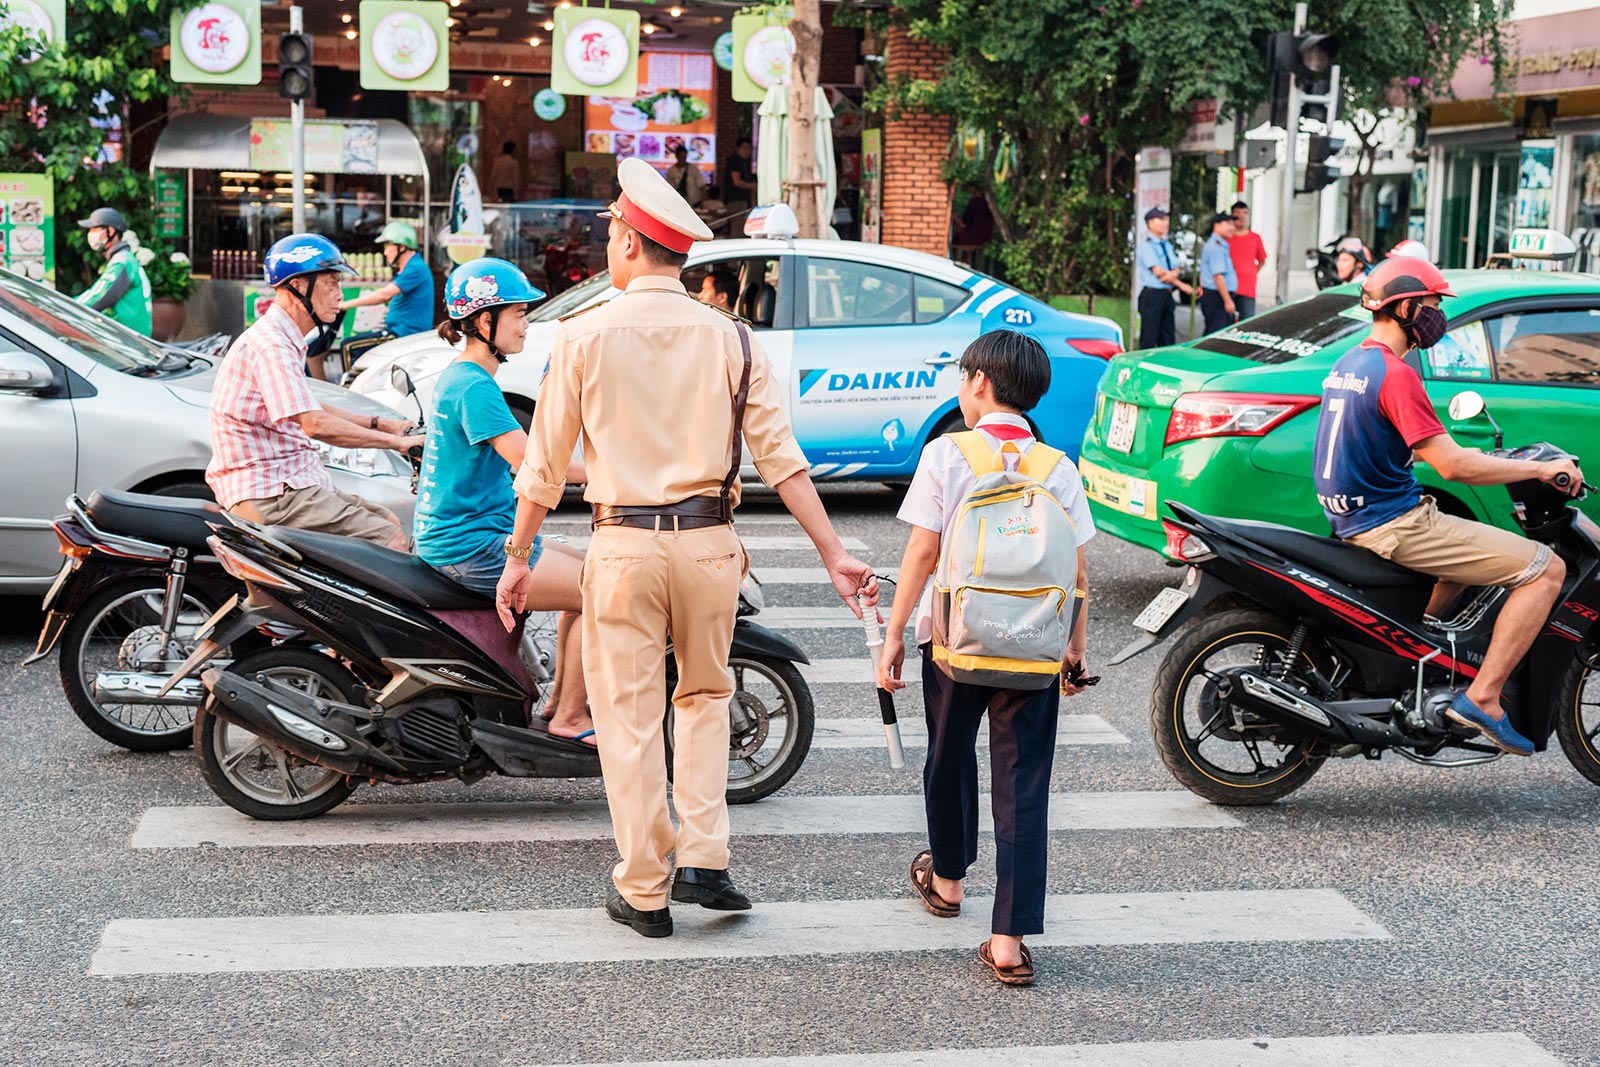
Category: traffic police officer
<point>1158,277</point>
<point>655,381</point>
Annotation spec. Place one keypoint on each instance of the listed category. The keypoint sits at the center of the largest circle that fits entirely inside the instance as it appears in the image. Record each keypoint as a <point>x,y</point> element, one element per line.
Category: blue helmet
<point>303,253</point>
<point>486,283</point>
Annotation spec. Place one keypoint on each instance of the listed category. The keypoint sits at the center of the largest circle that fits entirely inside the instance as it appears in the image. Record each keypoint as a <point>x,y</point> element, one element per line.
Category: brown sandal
<point>922,882</point>
<point>1021,974</point>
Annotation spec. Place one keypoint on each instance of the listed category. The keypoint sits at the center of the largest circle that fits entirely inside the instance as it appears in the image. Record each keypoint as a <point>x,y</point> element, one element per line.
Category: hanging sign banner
<point>46,19</point>
<point>405,44</point>
<point>28,226</point>
<point>217,43</point>
<point>549,104</point>
<point>763,51</point>
<point>596,52</point>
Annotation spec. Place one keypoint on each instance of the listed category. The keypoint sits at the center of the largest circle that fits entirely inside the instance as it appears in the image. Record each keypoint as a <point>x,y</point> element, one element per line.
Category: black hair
<point>714,192</point>
<point>660,254</point>
<point>1014,363</point>
<point>681,147</point>
<point>727,283</point>
<point>1237,204</point>
<point>741,142</point>
<point>1221,216</point>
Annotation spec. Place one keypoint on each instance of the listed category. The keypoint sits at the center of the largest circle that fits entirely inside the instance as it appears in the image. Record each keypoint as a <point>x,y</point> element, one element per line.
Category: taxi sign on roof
<point>776,221</point>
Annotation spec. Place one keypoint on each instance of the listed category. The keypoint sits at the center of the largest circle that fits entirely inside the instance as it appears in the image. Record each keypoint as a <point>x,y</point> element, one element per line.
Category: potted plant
<point>171,285</point>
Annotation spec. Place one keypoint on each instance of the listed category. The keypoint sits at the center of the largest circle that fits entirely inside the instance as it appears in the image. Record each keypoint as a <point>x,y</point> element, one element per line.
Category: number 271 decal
<point>1019,317</point>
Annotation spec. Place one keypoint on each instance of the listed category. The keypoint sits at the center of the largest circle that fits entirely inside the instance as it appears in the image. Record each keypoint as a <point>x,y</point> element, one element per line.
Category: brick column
<point>916,199</point>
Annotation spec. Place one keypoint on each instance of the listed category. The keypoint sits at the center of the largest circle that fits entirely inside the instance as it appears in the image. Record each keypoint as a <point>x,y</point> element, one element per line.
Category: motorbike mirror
<point>1465,405</point>
<point>401,381</point>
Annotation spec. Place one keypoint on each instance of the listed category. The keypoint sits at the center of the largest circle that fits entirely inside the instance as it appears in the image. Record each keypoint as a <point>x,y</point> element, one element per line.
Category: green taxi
<point>1225,423</point>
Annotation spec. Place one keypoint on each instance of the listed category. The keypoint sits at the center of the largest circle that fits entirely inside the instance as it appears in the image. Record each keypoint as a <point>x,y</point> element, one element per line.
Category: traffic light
<point>1320,148</point>
<point>1280,60</point>
<point>294,65</point>
<point>1313,60</point>
<point>1307,58</point>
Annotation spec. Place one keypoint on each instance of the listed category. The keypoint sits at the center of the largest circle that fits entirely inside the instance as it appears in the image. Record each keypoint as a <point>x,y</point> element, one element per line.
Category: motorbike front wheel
<point>257,777</point>
<point>1578,718</point>
<point>771,720</point>
<point>1225,754</point>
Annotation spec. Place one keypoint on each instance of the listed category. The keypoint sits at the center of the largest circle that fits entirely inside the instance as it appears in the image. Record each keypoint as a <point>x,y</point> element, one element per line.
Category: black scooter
<point>402,676</point>
<point>1293,648</point>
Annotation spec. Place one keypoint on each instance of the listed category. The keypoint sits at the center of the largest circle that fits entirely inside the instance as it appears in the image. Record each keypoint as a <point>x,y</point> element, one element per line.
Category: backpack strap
<point>975,447</point>
<point>1040,460</point>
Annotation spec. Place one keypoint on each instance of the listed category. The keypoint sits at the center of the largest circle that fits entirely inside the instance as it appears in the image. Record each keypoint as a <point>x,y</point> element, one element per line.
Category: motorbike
<point>1291,649</point>
<point>399,675</point>
<point>1323,263</point>
<point>564,264</point>
<point>136,581</point>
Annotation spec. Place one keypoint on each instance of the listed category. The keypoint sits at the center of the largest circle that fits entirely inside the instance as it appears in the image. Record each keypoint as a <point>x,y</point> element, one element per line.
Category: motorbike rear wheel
<point>257,777</point>
<point>775,704</point>
<point>1578,718</point>
<point>1185,713</point>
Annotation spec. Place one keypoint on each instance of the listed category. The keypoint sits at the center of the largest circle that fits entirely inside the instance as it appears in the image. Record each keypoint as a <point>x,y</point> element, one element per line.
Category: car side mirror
<point>1467,404</point>
<point>401,381</point>
<point>24,372</point>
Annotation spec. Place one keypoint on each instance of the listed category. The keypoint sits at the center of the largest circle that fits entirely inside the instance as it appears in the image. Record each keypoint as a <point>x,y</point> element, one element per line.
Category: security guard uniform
<point>651,382</point>
<point>1158,324</point>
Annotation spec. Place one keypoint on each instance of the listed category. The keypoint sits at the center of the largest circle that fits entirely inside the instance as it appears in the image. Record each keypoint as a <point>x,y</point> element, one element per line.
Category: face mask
<point>1426,327</point>
<point>97,241</point>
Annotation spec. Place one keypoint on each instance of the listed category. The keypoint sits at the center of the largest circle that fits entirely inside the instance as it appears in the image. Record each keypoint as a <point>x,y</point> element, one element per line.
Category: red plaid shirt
<point>258,449</point>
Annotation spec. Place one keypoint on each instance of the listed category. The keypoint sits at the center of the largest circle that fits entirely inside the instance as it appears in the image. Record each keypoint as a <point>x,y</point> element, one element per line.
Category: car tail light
<point>1093,346</point>
<point>1232,414</point>
<point>1184,544</point>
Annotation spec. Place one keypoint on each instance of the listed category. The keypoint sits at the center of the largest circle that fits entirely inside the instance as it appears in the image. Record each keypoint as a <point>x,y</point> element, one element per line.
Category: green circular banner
<point>549,104</point>
<point>723,51</point>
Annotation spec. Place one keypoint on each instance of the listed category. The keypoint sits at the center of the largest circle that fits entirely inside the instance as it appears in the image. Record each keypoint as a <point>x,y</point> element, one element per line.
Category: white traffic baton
<point>891,725</point>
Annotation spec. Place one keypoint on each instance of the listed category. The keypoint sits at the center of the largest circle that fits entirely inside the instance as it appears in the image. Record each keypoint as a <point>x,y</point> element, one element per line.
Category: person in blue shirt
<point>1157,268</point>
<point>1217,277</point>
<point>465,504</point>
<point>410,294</point>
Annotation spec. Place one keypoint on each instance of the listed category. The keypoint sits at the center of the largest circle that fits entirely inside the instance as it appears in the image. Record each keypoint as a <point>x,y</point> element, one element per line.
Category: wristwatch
<point>374,425</point>
<point>517,553</point>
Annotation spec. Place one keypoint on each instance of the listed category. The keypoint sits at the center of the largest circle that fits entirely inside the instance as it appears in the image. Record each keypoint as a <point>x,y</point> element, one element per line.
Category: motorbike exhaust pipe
<point>146,687</point>
<point>1343,722</point>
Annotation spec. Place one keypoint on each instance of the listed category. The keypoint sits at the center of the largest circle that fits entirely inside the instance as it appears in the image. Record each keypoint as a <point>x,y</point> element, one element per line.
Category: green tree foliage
<point>1059,95</point>
<point>48,114</point>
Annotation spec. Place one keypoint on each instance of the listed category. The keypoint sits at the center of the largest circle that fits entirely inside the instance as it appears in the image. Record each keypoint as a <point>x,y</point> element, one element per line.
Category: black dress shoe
<point>657,923</point>
<point>709,889</point>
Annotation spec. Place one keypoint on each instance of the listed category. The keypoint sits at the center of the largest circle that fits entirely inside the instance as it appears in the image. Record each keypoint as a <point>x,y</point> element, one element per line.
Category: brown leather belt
<point>695,513</point>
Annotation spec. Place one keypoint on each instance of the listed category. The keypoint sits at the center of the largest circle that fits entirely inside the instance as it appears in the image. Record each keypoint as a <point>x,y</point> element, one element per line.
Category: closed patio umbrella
<point>772,163</point>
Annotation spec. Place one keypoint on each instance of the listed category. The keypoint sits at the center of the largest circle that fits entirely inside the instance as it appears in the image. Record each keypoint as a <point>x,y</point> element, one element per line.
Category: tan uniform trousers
<point>636,585</point>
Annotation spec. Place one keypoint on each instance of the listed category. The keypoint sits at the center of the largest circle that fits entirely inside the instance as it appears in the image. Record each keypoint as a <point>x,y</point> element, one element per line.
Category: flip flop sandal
<point>1021,974</point>
<point>922,882</point>
<point>580,738</point>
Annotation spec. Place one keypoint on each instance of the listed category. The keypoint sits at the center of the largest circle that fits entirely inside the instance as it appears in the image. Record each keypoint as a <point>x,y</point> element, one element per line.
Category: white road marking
<point>411,824</point>
<point>1379,1050</point>
<point>765,543</point>
<point>868,733</point>
<point>241,944</point>
<point>740,520</point>
<point>833,616</point>
<point>793,576</point>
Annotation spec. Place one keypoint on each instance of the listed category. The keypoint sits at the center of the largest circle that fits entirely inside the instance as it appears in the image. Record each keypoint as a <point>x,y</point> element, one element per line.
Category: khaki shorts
<point>322,510</point>
<point>1455,549</point>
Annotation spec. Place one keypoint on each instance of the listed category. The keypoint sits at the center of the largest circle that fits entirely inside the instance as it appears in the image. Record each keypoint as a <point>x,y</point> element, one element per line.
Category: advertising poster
<point>872,185</point>
<point>46,18</point>
<point>405,44</point>
<point>28,226</point>
<point>217,43</point>
<point>171,205</point>
<point>332,147</point>
<point>1535,184</point>
<point>595,52</point>
<point>763,50</point>
<point>674,106</point>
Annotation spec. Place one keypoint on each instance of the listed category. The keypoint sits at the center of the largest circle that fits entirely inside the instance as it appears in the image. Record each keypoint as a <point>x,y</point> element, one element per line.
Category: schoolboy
<point>1003,375</point>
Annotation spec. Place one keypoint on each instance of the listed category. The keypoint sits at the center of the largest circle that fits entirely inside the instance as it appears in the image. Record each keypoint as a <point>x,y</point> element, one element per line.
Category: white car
<point>87,404</point>
<point>865,338</point>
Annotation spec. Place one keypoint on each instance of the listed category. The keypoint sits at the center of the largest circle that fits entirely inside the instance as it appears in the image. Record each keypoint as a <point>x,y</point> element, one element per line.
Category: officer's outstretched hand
<point>511,594</point>
<point>852,578</point>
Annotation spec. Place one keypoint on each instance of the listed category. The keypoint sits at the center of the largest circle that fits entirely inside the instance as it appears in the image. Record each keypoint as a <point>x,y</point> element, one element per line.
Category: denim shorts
<point>481,571</point>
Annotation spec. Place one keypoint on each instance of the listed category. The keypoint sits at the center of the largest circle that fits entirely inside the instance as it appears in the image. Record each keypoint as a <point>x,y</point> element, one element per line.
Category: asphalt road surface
<point>1385,915</point>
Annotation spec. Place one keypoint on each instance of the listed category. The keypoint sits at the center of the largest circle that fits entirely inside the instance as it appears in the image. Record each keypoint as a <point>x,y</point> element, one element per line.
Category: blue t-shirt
<point>411,310</point>
<point>465,504</point>
<point>1374,410</point>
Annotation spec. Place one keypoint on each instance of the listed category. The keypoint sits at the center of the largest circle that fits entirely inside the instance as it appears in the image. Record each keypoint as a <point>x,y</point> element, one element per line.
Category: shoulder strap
<point>979,456</point>
<point>1039,461</point>
<point>739,399</point>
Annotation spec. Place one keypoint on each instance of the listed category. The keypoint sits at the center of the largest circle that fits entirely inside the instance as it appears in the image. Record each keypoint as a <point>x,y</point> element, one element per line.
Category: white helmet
<point>1409,247</point>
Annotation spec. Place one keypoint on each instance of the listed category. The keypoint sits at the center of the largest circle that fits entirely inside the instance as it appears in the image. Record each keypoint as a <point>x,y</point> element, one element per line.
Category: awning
<point>204,141</point>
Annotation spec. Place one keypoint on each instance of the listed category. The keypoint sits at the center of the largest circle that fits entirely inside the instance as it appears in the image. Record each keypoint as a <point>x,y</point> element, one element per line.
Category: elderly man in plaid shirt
<point>265,466</point>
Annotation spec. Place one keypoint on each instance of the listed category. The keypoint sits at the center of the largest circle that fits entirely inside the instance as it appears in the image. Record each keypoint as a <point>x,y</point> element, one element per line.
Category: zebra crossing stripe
<point>868,733</point>
<point>261,943</point>
<point>411,824</point>
<point>764,543</point>
<point>833,616</point>
<point>1378,1050</point>
<point>793,576</point>
<point>582,521</point>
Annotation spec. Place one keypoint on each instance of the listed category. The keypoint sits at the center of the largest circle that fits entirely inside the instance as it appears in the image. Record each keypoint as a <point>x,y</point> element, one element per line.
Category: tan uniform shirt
<point>648,379</point>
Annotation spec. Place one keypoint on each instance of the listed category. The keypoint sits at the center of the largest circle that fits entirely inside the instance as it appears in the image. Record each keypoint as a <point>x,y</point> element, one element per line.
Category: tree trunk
<point>803,183</point>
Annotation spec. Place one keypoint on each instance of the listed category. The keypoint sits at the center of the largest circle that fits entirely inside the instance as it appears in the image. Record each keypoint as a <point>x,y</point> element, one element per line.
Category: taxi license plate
<point>1161,609</point>
<point>1124,420</point>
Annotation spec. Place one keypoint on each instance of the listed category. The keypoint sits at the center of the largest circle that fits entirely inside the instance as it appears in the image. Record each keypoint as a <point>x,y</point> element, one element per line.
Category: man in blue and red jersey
<point>1376,419</point>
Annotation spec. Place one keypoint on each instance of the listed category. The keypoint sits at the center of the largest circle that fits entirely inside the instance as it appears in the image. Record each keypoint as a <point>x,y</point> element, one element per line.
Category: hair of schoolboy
<point>1014,363</point>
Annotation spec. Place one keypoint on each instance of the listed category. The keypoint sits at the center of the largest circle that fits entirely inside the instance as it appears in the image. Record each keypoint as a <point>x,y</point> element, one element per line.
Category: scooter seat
<point>395,574</point>
<point>172,521</point>
<point>1351,564</point>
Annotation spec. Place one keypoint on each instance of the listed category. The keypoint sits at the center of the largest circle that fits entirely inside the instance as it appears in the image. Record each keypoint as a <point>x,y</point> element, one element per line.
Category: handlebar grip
<point>1563,480</point>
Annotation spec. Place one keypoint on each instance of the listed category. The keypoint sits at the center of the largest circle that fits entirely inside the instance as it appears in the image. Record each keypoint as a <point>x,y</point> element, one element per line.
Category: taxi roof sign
<point>1541,244</point>
<point>775,221</point>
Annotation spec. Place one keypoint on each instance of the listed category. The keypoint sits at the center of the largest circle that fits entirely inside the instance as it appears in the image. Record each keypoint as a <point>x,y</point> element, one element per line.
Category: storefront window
<point>1583,226</point>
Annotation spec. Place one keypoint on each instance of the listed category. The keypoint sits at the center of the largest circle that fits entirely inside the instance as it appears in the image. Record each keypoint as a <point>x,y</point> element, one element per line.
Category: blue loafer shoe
<point>1500,731</point>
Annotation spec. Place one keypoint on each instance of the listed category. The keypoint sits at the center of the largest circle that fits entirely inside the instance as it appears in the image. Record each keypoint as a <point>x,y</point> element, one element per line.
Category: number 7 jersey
<point>1374,411</point>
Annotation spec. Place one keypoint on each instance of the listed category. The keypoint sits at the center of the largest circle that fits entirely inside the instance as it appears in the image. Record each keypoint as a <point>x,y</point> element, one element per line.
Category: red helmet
<point>1399,277</point>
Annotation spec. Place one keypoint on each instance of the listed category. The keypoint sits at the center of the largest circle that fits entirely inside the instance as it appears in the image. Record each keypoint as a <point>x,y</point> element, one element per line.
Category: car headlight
<point>366,462</point>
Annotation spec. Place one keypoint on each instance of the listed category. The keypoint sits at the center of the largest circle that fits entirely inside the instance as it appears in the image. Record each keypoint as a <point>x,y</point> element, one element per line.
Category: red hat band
<point>652,227</point>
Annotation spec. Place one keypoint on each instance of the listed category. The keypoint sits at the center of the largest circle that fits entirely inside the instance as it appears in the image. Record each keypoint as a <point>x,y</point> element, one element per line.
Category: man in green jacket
<point>123,289</point>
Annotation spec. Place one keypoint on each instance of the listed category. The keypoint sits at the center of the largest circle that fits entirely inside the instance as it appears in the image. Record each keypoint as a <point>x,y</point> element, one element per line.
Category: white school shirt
<point>944,478</point>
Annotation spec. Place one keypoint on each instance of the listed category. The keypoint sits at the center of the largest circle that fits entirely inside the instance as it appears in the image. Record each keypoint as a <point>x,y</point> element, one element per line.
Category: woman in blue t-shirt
<point>465,503</point>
